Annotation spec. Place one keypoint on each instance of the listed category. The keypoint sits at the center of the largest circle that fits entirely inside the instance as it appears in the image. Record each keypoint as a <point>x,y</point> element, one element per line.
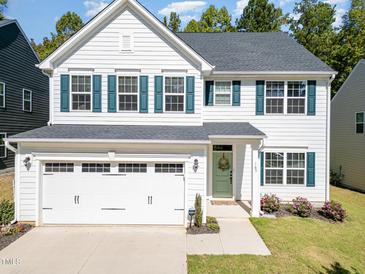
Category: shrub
<point>198,211</point>
<point>336,178</point>
<point>211,220</point>
<point>334,211</point>
<point>6,212</point>
<point>213,227</point>
<point>301,207</point>
<point>270,203</point>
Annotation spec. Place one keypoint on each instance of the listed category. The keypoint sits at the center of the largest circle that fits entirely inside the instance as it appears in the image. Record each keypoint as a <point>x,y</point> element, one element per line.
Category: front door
<point>222,171</point>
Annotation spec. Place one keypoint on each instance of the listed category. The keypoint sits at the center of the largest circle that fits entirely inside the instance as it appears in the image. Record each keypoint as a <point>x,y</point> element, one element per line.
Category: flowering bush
<point>334,211</point>
<point>270,203</point>
<point>301,207</point>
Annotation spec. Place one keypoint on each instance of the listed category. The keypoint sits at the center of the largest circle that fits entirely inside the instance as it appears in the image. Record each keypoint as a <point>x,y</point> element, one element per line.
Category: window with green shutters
<point>81,92</point>
<point>360,122</point>
<point>174,94</point>
<point>128,93</point>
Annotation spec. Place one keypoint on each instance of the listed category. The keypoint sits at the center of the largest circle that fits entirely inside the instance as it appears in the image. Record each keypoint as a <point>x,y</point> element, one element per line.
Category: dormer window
<point>126,43</point>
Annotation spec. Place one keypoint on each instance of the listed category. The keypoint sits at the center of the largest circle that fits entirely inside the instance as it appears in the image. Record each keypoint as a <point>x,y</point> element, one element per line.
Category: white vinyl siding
<point>3,151</point>
<point>27,100</point>
<point>128,93</point>
<point>2,95</point>
<point>174,94</point>
<point>81,92</point>
<point>223,93</point>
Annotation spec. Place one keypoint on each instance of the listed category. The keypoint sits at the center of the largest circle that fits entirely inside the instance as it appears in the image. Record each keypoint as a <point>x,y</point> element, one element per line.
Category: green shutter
<point>209,93</point>
<point>311,97</point>
<point>112,93</point>
<point>236,100</point>
<point>96,93</point>
<point>143,94</point>
<point>190,94</point>
<point>260,97</point>
<point>262,167</point>
<point>65,93</point>
<point>158,94</point>
<point>311,168</point>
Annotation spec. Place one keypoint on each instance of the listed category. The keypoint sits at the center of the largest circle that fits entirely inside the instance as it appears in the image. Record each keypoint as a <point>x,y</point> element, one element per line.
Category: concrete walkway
<point>97,250</point>
<point>237,235</point>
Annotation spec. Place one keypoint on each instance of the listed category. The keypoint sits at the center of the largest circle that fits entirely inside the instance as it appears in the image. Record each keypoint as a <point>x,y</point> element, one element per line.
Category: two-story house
<point>24,90</point>
<point>143,119</point>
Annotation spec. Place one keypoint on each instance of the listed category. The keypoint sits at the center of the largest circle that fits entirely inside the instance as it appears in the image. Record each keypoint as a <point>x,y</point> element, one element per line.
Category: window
<point>275,97</point>
<point>2,145</point>
<point>274,168</point>
<point>169,168</point>
<point>126,43</point>
<point>132,168</point>
<point>295,173</point>
<point>360,121</point>
<point>174,93</point>
<point>81,92</point>
<point>223,93</point>
<point>59,167</point>
<point>2,95</point>
<point>95,168</point>
<point>27,100</point>
<point>128,93</point>
<point>296,97</point>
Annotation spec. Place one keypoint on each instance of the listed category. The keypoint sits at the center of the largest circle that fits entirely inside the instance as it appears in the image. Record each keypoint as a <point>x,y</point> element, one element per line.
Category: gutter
<point>275,72</point>
<point>9,146</point>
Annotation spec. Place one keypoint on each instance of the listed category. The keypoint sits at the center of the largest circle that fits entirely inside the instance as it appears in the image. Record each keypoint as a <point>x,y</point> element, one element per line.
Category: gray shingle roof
<point>249,51</point>
<point>173,133</point>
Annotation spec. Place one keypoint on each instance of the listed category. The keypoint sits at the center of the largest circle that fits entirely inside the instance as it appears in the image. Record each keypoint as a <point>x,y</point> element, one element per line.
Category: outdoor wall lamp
<point>27,162</point>
<point>196,165</point>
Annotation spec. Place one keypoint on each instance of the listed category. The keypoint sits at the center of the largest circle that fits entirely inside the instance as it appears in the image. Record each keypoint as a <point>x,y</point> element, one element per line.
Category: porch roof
<point>140,132</point>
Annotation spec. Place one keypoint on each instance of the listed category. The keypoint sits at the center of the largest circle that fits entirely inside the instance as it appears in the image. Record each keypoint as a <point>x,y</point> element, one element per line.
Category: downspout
<point>50,78</point>
<point>13,149</point>
<point>328,133</point>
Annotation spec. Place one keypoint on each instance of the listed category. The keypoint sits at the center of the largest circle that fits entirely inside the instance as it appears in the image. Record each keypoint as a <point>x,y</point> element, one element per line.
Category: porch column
<point>255,188</point>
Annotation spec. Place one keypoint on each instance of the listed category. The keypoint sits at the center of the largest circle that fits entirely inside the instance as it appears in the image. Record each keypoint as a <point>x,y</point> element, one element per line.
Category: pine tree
<point>174,22</point>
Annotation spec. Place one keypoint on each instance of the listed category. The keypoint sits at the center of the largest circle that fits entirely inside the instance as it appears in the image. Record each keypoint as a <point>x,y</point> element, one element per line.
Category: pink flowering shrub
<point>270,203</point>
<point>301,207</point>
<point>334,211</point>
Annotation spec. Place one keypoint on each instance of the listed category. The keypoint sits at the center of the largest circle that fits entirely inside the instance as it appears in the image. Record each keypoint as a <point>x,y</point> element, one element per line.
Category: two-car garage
<point>75,192</point>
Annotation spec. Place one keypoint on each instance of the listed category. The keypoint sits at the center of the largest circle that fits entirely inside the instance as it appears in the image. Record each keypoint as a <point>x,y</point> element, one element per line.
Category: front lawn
<point>301,245</point>
<point>6,187</point>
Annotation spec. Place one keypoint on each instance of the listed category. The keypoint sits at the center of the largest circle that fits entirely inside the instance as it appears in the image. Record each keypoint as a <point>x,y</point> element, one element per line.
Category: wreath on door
<point>223,163</point>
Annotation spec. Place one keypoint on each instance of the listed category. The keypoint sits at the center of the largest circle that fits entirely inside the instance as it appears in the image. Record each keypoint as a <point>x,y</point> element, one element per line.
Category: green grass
<point>6,187</point>
<point>301,245</point>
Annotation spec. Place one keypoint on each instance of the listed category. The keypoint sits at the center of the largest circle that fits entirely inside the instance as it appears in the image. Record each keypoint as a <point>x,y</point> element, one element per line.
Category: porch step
<point>229,211</point>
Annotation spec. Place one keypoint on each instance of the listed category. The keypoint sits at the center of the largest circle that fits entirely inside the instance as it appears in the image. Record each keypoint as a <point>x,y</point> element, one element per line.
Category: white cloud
<point>283,3</point>
<point>295,16</point>
<point>187,18</point>
<point>339,13</point>
<point>182,7</point>
<point>240,5</point>
<point>335,2</point>
<point>94,6</point>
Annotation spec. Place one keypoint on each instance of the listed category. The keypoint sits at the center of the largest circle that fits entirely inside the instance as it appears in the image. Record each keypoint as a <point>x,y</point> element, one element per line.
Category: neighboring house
<point>144,119</point>
<point>348,129</point>
<point>23,88</point>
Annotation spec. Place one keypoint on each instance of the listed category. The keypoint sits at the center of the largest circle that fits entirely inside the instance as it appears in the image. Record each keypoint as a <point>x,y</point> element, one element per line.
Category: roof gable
<point>113,8</point>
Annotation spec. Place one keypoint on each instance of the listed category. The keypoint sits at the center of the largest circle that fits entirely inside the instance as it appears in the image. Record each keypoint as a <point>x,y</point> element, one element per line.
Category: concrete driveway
<point>97,250</point>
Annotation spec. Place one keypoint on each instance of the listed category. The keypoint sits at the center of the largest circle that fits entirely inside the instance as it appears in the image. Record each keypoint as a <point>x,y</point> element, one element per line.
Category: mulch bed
<point>204,229</point>
<point>284,212</point>
<point>7,240</point>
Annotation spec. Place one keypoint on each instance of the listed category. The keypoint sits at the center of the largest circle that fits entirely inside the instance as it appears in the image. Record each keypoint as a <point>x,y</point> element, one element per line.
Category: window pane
<point>296,89</point>
<point>274,176</point>
<point>275,160</point>
<point>81,102</point>
<point>360,117</point>
<point>59,167</point>
<point>296,105</point>
<point>295,177</point>
<point>296,160</point>
<point>174,103</point>
<point>222,99</point>
<point>274,89</point>
<point>274,105</point>
<point>128,102</point>
<point>2,145</point>
<point>80,83</point>
<point>360,128</point>
<point>169,168</point>
<point>223,87</point>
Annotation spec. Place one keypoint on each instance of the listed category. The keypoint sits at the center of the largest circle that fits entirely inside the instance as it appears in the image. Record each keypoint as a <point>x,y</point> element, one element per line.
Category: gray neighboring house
<point>24,90</point>
<point>348,129</point>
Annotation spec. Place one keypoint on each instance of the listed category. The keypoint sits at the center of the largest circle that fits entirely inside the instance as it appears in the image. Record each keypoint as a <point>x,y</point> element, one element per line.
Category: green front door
<point>222,174</point>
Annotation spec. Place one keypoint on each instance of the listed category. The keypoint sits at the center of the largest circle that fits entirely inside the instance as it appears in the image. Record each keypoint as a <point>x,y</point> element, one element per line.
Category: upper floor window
<point>360,122</point>
<point>285,97</point>
<point>81,92</point>
<point>128,93</point>
<point>27,100</point>
<point>223,93</point>
<point>2,145</point>
<point>174,94</point>
<point>2,95</point>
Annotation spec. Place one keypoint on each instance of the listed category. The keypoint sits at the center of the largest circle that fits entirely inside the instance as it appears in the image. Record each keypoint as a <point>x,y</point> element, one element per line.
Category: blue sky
<point>38,17</point>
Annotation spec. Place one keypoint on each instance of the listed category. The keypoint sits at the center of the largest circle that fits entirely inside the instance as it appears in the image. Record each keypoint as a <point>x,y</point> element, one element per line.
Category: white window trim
<point>215,93</point>
<point>4,95</point>
<point>31,100</point>
<point>131,35</point>
<point>5,149</point>
<point>356,123</point>
<point>138,85</point>
<point>286,97</point>
<point>285,168</point>
<point>91,92</point>
<point>164,93</point>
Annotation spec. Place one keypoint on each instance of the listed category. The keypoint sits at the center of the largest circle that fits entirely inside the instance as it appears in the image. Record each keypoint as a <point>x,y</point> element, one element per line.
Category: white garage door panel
<point>113,198</point>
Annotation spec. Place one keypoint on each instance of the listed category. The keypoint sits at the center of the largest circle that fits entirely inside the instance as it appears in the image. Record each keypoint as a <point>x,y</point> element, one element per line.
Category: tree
<point>261,16</point>
<point>212,20</point>
<point>314,28</point>
<point>174,22</point>
<point>350,46</point>
<point>165,21</point>
<point>68,24</point>
<point>2,6</point>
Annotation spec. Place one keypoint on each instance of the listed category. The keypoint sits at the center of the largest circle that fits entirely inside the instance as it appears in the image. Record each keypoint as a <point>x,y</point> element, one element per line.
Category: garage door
<point>113,193</point>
